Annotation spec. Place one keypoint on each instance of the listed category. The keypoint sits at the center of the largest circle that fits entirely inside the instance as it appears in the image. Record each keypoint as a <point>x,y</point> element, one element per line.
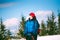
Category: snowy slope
<point>53,37</point>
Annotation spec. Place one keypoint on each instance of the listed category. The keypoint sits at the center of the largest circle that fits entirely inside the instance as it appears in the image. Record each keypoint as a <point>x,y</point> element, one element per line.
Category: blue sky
<point>14,9</point>
<point>17,7</point>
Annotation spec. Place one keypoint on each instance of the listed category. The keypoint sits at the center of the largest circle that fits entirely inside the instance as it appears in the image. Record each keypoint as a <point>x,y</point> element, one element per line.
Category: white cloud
<point>42,15</point>
<point>11,22</point>
<point>7,4</point>
<point>12,25</point>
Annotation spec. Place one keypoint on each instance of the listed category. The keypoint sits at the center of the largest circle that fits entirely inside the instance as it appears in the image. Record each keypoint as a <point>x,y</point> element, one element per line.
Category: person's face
<point>30,17</point>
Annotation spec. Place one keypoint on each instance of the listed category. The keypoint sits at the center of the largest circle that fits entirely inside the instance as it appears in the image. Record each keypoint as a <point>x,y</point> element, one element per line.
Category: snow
<point>52,37</point>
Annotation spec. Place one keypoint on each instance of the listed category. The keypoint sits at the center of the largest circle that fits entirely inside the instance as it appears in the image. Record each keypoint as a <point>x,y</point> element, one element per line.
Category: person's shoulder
<point>36,21</point>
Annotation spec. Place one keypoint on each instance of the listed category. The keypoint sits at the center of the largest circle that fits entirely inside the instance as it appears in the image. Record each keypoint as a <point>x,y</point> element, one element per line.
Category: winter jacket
<point>31,26</point>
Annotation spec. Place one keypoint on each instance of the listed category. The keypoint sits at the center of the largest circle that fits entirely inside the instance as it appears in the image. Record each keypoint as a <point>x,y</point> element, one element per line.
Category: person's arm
<point>36,25</point>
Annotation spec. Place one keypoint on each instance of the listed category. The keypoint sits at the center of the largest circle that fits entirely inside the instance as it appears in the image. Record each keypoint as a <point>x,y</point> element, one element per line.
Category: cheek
<point>31,17</point>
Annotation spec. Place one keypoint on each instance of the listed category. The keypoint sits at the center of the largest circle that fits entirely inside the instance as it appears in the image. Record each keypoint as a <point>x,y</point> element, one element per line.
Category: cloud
<point>42,15</point>
<point>7,4</point>
<point>11,22</point>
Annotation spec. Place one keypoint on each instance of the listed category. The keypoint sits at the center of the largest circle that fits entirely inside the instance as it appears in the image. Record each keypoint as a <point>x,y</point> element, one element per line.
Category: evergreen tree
<point>51,25</point>
<point>3,33</point>
<point>7,34</point>
<point>59,22</point>
<point>2,30</point>
<point>43,29</point>
<point>22,23</point>
<point>48,25</point>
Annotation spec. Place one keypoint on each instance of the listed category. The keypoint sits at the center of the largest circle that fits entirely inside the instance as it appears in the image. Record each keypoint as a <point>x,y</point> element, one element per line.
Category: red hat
<point>32,14</point>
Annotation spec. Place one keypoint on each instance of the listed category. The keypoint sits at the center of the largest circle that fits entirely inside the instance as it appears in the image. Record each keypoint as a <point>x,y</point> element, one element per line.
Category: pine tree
<point>7,34</point>
<point>51,24</point>
<point>43,29</point>
<point>22,23</point>
<point>59,22</point>
<point>48,25</point>
<point>2,30</point>
<point>54,27</point>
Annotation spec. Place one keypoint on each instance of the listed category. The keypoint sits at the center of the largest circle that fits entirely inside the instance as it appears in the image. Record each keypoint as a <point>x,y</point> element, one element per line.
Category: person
<point>31,27</point>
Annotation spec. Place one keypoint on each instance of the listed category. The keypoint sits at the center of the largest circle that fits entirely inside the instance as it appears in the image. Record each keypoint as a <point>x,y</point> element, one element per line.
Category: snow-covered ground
<point>52,37</point>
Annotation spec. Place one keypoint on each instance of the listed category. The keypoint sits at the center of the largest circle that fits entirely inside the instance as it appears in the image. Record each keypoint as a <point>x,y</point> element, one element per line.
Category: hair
<point>34,18</point>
